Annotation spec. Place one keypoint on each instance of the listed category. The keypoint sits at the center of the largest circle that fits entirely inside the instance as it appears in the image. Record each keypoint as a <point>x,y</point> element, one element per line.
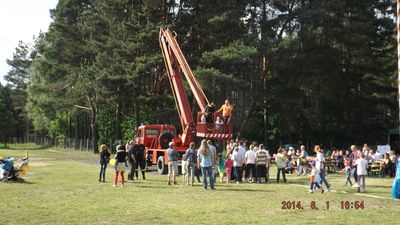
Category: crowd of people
<point>240,162</point>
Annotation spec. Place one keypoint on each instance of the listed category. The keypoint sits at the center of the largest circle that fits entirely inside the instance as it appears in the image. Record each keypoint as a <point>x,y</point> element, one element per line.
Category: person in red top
<point>228,167</point>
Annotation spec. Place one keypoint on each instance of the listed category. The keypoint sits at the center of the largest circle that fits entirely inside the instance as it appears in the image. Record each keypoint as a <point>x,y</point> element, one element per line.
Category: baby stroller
<point>10,173</point>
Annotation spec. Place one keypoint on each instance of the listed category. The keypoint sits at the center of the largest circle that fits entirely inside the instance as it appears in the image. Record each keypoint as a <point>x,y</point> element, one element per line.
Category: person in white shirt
<point>362,168</point>
<point>238,158</point>
<point>320,165</point>
<point>256,148</point>
<point>218,124</point>
<point>250,158</point>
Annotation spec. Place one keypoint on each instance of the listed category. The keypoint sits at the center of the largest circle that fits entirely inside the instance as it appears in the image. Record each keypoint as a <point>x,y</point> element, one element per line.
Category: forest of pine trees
<point>296,70</point>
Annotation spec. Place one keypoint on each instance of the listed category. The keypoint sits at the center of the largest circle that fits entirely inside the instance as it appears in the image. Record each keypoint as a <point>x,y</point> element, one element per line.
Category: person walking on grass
<point>206,164</point>
<point>172,163</point>
<point>191,155</point>
<point>120,165</point>
<point>362,167</point>
<point>314,179</point>
<point>354,155</point>
<point>347,171</point>
<point>320,165</point>
<point>280,164</point>
<point>104,159</point>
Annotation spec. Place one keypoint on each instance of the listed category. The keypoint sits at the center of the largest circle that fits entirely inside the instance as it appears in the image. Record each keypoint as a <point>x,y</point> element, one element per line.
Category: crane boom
<point>198,92</point>
<point>175,77</point>
<point>177,67</point>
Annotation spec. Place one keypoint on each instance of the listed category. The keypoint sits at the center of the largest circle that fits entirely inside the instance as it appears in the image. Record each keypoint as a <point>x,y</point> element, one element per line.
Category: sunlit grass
<point>62,188</point>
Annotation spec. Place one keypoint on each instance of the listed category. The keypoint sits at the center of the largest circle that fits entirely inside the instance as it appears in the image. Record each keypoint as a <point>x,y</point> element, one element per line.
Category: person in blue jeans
<point>104,159</point>
<point>206,164</point>
<point>320,162</point>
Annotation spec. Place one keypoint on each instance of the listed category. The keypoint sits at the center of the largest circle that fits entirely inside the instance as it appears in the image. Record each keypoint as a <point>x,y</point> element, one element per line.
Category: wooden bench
<point>375,169</point>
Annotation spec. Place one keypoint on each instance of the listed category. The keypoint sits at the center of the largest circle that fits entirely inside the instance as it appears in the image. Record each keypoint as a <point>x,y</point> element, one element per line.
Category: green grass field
<point>62,188</point>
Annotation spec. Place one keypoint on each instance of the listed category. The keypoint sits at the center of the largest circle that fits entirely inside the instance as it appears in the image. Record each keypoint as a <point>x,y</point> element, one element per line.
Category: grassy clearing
<point>63,189</point>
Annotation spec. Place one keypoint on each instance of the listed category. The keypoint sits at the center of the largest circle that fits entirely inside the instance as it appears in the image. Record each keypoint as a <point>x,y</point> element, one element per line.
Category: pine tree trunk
<point>93,123</point>
<point>118,115</point>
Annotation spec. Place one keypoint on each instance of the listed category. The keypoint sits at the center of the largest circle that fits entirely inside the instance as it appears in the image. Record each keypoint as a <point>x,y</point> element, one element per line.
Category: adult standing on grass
<point>104,159</point>
<point>238,159</point>
<point>362,167</point>
<point>172,163</point>
<point>191,155</point>
<point>206,163</point>
<point>280,164</point>
<point>213,151</point>
<point>250,159</point>
<point>302,167</point>
<point>131,160</point>
<point>120,165</point>
<point>139,152</point>
<point>261,160</point>
<point>320,165</point>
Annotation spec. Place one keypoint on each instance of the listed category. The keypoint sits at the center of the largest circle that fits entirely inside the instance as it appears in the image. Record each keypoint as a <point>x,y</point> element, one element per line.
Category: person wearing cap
<point>120,164</point>
<point>226,109</point>
<point>172,163</point>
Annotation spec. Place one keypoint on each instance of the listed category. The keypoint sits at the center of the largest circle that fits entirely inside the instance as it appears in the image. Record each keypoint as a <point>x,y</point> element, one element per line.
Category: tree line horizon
<point>295,70</point>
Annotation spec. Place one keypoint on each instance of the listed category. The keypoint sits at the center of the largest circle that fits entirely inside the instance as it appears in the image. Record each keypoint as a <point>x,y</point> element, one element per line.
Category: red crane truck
<point>156,137</point>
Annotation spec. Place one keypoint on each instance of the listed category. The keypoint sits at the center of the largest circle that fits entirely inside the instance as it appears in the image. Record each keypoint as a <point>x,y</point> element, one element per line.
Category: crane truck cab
<point>156,138</point>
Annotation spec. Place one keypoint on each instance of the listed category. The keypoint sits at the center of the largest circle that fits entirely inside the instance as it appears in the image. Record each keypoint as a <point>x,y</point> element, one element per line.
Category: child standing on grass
<point>221,167</point>
<point>314,179</point>
<point>362,167</point>
<point>228,168</point>
<point>120,165</point>
<point>347,171</point>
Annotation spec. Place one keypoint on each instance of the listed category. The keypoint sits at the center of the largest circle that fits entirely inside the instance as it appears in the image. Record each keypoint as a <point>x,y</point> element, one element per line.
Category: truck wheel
<point>161,167</point>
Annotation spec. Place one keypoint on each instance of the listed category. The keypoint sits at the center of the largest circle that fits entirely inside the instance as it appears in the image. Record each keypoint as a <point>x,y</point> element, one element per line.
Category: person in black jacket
<point>104,159</point>
<point>132,160</point>
<point>140,156</point>
<point>120,164</point>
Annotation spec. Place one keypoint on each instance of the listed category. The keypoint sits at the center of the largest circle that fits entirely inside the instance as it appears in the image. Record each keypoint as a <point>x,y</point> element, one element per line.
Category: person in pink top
<point>228,168</point>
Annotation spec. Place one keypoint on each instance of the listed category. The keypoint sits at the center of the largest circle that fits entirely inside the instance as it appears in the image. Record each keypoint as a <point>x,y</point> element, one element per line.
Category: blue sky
<point>21,20</point>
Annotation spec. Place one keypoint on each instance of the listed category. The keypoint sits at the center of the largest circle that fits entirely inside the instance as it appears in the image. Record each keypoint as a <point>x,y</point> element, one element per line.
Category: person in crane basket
<point>209,112</point>
<point>226,109</point>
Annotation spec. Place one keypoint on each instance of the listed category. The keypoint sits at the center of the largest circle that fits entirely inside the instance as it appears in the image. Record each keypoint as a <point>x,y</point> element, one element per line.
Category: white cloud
<point>21,20</point>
